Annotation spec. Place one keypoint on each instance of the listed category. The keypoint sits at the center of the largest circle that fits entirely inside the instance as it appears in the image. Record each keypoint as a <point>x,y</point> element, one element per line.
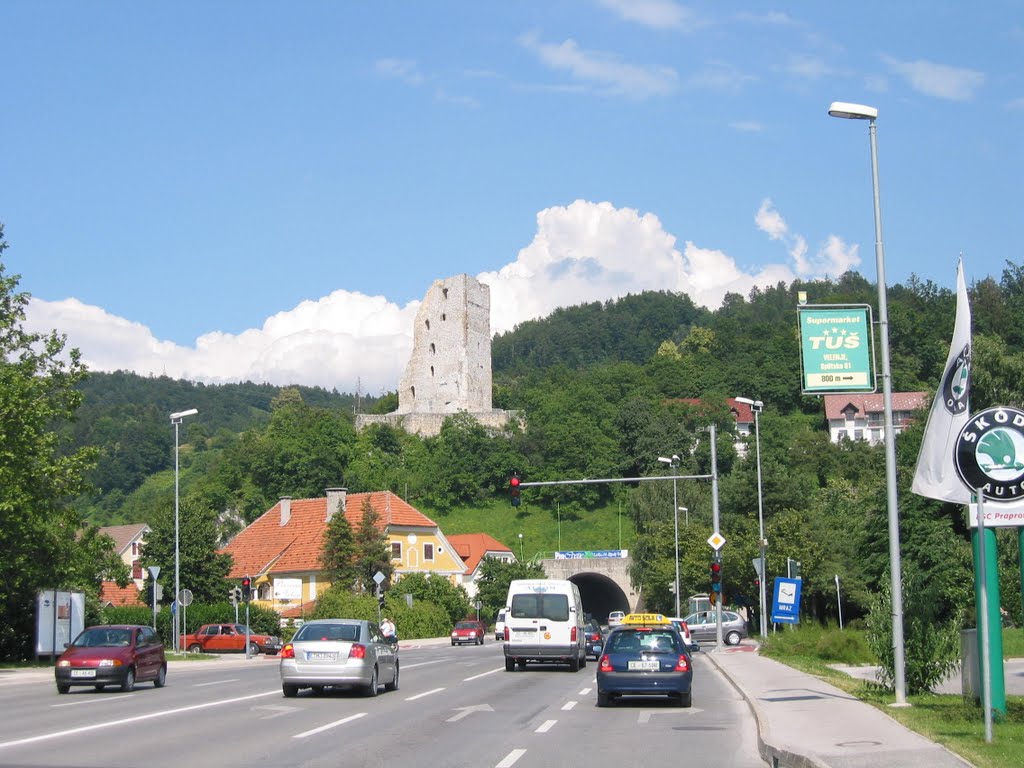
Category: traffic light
<point>513,485</point>
<point>233,596</point>
<point>716,577</point>
<point>380,599</point>
<point>246,589</point>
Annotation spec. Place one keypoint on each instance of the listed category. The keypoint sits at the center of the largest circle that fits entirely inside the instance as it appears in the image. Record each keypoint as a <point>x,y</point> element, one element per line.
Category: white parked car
<point>615,618</point>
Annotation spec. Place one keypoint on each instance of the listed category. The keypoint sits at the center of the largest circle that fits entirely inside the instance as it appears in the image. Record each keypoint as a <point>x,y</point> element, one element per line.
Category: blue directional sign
<point>786,602</point>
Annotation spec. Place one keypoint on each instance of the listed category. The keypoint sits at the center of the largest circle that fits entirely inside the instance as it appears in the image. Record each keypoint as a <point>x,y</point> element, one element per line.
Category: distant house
<point>128,541</point>
<point>473,548</point>
<point>281,550</point>
<point>862,417</point>
<point>741,412</point>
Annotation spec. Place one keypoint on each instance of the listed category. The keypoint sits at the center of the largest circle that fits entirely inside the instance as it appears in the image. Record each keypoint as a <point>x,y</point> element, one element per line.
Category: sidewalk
<point>803,722</point>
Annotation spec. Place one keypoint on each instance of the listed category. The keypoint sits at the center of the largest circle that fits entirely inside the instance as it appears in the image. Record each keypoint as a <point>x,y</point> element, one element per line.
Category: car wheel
<point>195,649</point>
<point>583,661</point>
<point>161,677</point>
<point>481,641</point>
<point>453,643</point>
<point>685,699</point>
<point>317,690</point>
<point>510,664</point>
<point>129,680</point>
<point>290,691</point>
<point>393,685</point>
<point>63,687</point>
<point>371,689</point>
<point>603,699</point>
<point>733,638</point>
<point>574,664</point>
<point>100,687</point>
<point>254,650</point>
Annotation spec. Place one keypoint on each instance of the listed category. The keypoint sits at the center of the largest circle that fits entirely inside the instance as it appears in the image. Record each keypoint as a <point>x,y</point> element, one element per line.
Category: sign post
<point>154,572</point>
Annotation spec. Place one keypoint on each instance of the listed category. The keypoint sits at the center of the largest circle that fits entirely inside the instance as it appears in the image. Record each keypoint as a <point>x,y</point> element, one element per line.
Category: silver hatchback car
<point>338,652</point>
<point>704,626</point>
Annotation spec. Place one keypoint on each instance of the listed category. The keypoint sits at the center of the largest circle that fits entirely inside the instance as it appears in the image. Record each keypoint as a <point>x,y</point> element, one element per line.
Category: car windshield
<point>540,606</point>
<point>466,625</point>
<point>242,629</point>
<point>335,632</point>
<point>104,637</point>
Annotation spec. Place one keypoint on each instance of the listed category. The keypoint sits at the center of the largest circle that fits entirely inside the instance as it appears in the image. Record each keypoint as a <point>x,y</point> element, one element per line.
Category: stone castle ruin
<point>450,367</point>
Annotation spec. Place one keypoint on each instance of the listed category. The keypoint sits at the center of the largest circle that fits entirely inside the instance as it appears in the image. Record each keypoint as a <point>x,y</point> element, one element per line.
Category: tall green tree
<point>44,544</point>
<point>495,576</point>
<point>339,553</point>
<point>202,569</point>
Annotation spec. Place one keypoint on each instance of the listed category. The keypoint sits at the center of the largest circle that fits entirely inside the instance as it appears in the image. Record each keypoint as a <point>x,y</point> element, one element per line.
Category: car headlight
<point>63,663</point>
<point>110,662</point>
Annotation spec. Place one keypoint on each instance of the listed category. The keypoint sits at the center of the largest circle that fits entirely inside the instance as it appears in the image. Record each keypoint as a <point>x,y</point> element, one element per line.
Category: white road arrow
<point>463,711</point>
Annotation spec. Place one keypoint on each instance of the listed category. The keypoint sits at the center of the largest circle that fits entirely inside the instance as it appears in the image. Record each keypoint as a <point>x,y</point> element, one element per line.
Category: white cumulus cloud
<point>939,80</point>
<point>581,252</point>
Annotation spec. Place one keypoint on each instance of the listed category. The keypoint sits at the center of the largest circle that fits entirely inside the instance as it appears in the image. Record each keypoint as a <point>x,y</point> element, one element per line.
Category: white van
<point>499,626</point>
<point>544,622</point>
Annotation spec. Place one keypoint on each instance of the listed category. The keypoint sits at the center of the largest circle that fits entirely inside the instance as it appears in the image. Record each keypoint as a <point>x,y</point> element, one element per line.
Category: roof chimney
<point>335,501</point>
<point>286,509</point>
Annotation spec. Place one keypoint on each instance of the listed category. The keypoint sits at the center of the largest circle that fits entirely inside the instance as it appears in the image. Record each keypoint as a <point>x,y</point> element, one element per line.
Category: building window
<point>396,550</point>
<point>428,551</point>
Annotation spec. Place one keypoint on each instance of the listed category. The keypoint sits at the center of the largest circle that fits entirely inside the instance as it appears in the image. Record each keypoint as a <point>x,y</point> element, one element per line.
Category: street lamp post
<point>757,406</point>
<point>520,547</point>
<point>176,419</point>
<point>862,112</point>
<point>674,463</point>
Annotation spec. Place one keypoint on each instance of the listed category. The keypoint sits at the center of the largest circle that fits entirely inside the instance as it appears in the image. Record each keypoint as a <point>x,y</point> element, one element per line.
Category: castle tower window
<point>427,323</point>
<point>433,348</point>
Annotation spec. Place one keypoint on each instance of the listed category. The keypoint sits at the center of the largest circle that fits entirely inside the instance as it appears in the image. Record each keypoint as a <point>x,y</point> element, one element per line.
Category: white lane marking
<point>483,674</point>
<point>546,726</point>
<point>510,758</point>
<point>135,719</point>
<point>425,693</point>
<point>422,664</point>
<point>92,700</point>
<point>464,711</point>
<point>585,692</point>
<point>216,682</point>
<point>568,705</point>
<point>327,727</point>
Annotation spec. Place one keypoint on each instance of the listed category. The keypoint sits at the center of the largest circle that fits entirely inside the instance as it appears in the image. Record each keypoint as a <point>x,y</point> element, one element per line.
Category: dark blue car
<point>645,656</point>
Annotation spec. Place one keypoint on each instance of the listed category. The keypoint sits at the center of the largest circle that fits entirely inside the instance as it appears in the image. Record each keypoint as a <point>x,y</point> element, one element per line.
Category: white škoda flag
<point>936,476</point>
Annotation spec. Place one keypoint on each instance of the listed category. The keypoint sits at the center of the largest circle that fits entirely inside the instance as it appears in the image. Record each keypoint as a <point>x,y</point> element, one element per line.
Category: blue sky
<point>255,190</point>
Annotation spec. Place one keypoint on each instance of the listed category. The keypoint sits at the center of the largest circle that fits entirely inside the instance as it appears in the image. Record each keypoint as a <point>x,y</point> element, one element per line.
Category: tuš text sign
<point>835,349</point>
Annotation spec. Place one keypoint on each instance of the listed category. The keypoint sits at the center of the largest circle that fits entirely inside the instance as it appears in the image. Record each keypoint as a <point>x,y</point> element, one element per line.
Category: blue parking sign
<point>786,602</point>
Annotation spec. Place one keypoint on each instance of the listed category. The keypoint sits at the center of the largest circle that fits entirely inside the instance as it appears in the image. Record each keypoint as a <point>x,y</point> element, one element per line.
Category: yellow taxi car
<point>645,656</point>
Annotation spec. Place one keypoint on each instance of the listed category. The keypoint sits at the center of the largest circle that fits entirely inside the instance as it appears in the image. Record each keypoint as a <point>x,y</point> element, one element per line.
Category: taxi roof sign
<point>645,618</point>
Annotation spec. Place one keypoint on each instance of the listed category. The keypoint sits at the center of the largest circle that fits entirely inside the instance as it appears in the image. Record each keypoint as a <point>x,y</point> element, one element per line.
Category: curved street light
<point>756,406</point>
<point>176,419</point>
<point>862,112</point>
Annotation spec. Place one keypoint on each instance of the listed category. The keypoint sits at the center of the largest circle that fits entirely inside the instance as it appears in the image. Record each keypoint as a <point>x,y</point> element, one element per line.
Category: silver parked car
<point>704,626</point>
<point>338,652</point>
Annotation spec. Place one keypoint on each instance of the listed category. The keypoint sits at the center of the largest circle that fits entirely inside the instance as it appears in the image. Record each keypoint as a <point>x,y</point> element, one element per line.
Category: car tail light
<point>683,665</point>
<point>572,635</point>
<point>357,651</point>
<point>288,652</point>
<point>606,664</point>
<point>506,633</point>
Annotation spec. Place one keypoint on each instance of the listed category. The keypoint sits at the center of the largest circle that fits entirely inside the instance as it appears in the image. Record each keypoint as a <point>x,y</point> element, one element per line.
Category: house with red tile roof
<point>128,542</point>
<point>862,417</point>
<point>281,549</point>
<point>473,548</point>
<point>111,594</point>
<point>742,412</point>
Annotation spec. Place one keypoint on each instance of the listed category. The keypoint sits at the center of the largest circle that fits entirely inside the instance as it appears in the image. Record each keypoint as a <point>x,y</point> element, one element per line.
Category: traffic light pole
<point>247,630</point>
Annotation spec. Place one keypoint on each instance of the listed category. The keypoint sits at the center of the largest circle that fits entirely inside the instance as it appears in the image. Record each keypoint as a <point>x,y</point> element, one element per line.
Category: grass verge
<point>945,719</point>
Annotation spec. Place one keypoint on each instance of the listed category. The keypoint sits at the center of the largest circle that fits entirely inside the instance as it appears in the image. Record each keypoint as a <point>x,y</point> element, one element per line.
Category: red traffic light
<point>246,582</point>
<point>716,567</point>
<point>514,482</point>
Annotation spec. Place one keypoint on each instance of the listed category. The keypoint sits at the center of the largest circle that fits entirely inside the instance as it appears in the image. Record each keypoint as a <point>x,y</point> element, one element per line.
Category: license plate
<point>644,666</point>
<point>524,633</point>
<point>321,656</point>
<point>83,673</point>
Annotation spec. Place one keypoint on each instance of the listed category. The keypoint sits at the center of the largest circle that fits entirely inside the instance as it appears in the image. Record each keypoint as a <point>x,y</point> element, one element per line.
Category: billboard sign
<point>835,349</point>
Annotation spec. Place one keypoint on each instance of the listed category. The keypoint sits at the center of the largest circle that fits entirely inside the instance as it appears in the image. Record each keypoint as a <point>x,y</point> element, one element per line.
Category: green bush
<point>844,647</point>
<point>423,619</point>
<point>824,643</point>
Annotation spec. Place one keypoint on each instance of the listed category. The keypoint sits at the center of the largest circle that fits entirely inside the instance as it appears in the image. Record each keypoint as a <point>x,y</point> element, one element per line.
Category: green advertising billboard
<point>835,349</point>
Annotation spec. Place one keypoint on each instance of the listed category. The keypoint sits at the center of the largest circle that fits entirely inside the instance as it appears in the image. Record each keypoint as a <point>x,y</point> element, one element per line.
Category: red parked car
<point>469,632</point>
<point>116,654</point>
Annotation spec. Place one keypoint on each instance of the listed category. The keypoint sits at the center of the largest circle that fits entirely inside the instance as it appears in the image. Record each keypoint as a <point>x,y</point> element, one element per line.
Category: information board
<point>835,349</point>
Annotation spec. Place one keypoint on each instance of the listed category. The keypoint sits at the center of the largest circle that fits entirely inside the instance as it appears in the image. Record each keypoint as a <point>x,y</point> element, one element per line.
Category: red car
<point>469,632</point>
<point>117,654</point>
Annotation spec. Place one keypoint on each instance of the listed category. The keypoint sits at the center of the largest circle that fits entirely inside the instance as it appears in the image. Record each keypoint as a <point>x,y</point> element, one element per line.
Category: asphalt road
<point>456,707</point>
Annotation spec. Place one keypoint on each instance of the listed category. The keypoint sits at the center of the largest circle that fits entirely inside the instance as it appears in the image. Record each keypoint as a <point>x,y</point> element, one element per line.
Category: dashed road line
<point>327,727</point>
<point>510,758</point>
<point>546,726</point>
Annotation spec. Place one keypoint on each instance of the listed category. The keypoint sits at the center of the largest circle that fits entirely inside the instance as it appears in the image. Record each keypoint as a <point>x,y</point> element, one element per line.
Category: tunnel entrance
<point>601,595</point>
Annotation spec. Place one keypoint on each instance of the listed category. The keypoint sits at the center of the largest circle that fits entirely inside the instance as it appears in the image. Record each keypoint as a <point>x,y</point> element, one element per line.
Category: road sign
<point>757,567</point>
<point>379,577</point>
<point>835,349</point>
<point>154,571</point>
<point>786,602</point>
<point>716,540</point>
<point>185,597</point>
